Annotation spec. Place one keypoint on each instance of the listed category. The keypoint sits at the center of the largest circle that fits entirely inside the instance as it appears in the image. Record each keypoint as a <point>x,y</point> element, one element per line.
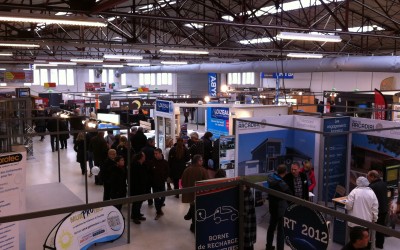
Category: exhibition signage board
<point>380,105</point>
<point>164,107</point>
<point>12,198</point>
<point>212,84</point>
<point>16,76</point>
<point>217,216</point>
<point>335,155</point>
<point>82,229</point>
<point>305,228</point>
<point>218,121</point>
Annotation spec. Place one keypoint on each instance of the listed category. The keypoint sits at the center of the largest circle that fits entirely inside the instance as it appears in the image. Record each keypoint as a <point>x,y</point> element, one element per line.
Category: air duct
<point>356,64</point>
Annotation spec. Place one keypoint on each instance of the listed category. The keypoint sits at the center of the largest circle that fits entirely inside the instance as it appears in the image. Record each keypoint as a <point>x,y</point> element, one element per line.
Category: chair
<point>340,191</point>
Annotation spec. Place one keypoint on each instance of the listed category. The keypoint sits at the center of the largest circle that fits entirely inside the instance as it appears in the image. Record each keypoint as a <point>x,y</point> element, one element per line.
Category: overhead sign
<point>212,84</point>
<point>305,228</point>
<point>82,229</point>
<point>283,75</point>
<point>49,85</point>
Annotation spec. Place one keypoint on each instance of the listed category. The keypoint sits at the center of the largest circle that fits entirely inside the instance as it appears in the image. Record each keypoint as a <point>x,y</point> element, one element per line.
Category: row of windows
<point>65,77</point>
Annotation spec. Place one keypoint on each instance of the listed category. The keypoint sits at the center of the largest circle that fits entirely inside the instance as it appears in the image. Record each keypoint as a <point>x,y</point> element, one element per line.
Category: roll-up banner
<point>380,106</point>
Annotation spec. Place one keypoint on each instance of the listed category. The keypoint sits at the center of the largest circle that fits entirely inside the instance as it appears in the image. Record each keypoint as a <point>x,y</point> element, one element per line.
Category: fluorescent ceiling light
<point>44,65</point>
<point>195,52</point>
<point>151,7</point>
<point>308,37</point>
<point>6,54</point>
<point>27,84</point>
<point>173,63</point>
<point>256,40</point>
<point>2,69</point>
<point>127,57</point>
<point>88,60</point>
<point>139,64</point>
<point>304,55</point>
<point>27,69</point>
<point>31,18</point>
<point>113,65</point>
<point>3,84</point>
<point>18,44</point>
<point>63,63</point>
<point>63,13</point>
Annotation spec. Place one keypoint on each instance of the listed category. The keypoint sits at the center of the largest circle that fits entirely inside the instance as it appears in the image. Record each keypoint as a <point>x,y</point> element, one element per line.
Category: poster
<point>217,216</point>
<point>218,121</point>
<point>227,155</point>
<point>12,198</point>
<point>82,229</point>
<point>16,76</point>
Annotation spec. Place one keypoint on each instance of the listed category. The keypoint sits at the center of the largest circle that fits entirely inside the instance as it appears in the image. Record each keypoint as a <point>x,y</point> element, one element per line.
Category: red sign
<point>380,106</point>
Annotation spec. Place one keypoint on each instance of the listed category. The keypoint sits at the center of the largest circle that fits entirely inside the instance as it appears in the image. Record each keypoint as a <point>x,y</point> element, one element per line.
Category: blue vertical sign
<point>335,155</point>
<point>212,84</point>
<point>217,217</point>
<point>218,121</point>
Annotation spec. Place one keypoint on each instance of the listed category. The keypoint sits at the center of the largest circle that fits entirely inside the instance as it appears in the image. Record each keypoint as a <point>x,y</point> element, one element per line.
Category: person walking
<point>159,171</point>
<point>277,208</point>
<point>79,148</point>
<point>380,189</point>
<point>118,177</point>
<point>195,172</point>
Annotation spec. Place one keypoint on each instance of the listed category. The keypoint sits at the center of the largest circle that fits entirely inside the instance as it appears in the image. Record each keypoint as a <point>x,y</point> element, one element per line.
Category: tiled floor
<point>169,232</point>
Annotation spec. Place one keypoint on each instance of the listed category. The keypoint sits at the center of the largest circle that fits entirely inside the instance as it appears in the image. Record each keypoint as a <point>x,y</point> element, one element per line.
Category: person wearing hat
<point>362,202</point>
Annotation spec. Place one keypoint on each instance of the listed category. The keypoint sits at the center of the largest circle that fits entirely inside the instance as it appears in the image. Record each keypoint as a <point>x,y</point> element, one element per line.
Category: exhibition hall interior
<point>275,83</point>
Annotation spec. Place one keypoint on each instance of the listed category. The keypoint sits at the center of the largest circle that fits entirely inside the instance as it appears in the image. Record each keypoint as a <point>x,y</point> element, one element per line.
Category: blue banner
<point>217,217</point>
<point>163,106</point>
<point>283,75</point>
<point>305,228</point>
<point>212,84</point>
<point>218,121</point>
<point>335,151</point>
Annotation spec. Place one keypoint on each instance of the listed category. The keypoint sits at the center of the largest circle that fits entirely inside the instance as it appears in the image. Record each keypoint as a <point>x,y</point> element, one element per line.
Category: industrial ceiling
<point>225,28</point>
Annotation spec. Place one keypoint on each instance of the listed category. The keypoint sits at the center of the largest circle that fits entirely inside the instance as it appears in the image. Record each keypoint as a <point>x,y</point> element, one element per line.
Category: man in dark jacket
<point>139,140</point>
<point>159,170</point>
<point>277,207</point>
<point>297,182</point>
<point>138,183</point>
<point>380,189</point>
<point>99,147</point>
<point>105,173</point>
<point>148,150</point>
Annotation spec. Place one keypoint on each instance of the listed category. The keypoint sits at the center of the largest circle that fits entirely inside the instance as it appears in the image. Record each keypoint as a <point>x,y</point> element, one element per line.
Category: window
<point>70,77</point>
<point>43,76</point>
<point>104,76</point>
<point>245,78</point>
<point>36,77</point>
<point>110,76</point>
<point>148,79</point>
<point>54,76</point>
<point>62,77</point>
<point>91,75</point>
<point>123,79</point>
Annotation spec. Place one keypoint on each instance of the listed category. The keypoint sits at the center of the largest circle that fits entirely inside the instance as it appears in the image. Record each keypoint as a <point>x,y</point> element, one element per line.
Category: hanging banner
<point>380,105</point>
<point>212,84</point>
<point>305,228</point>
<point>82,229</point>
<point>227,154</point>
<point>12,198</point>
<point>218,121</point>
<point>217,216</point>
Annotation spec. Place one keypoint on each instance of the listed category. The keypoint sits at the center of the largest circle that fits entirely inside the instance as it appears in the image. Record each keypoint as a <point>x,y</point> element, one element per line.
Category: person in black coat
<point>118,177</point>
<point>63,137</point>
<point>138,183</point>
<point>79,148</point>
<point>277,208</point>
<point>380,189</point>
<point>208,148</point>
<point>296,179</point>
<point>139,140</point>
<point>177,159</point>
<point>52,126</point>
<point>105,173</point>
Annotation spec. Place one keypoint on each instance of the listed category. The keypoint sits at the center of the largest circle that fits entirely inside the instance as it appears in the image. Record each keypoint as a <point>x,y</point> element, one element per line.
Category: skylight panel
<point>256,40</point>
<point>294,5</point>
<point>196,25</point>
<point>361,29</point>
